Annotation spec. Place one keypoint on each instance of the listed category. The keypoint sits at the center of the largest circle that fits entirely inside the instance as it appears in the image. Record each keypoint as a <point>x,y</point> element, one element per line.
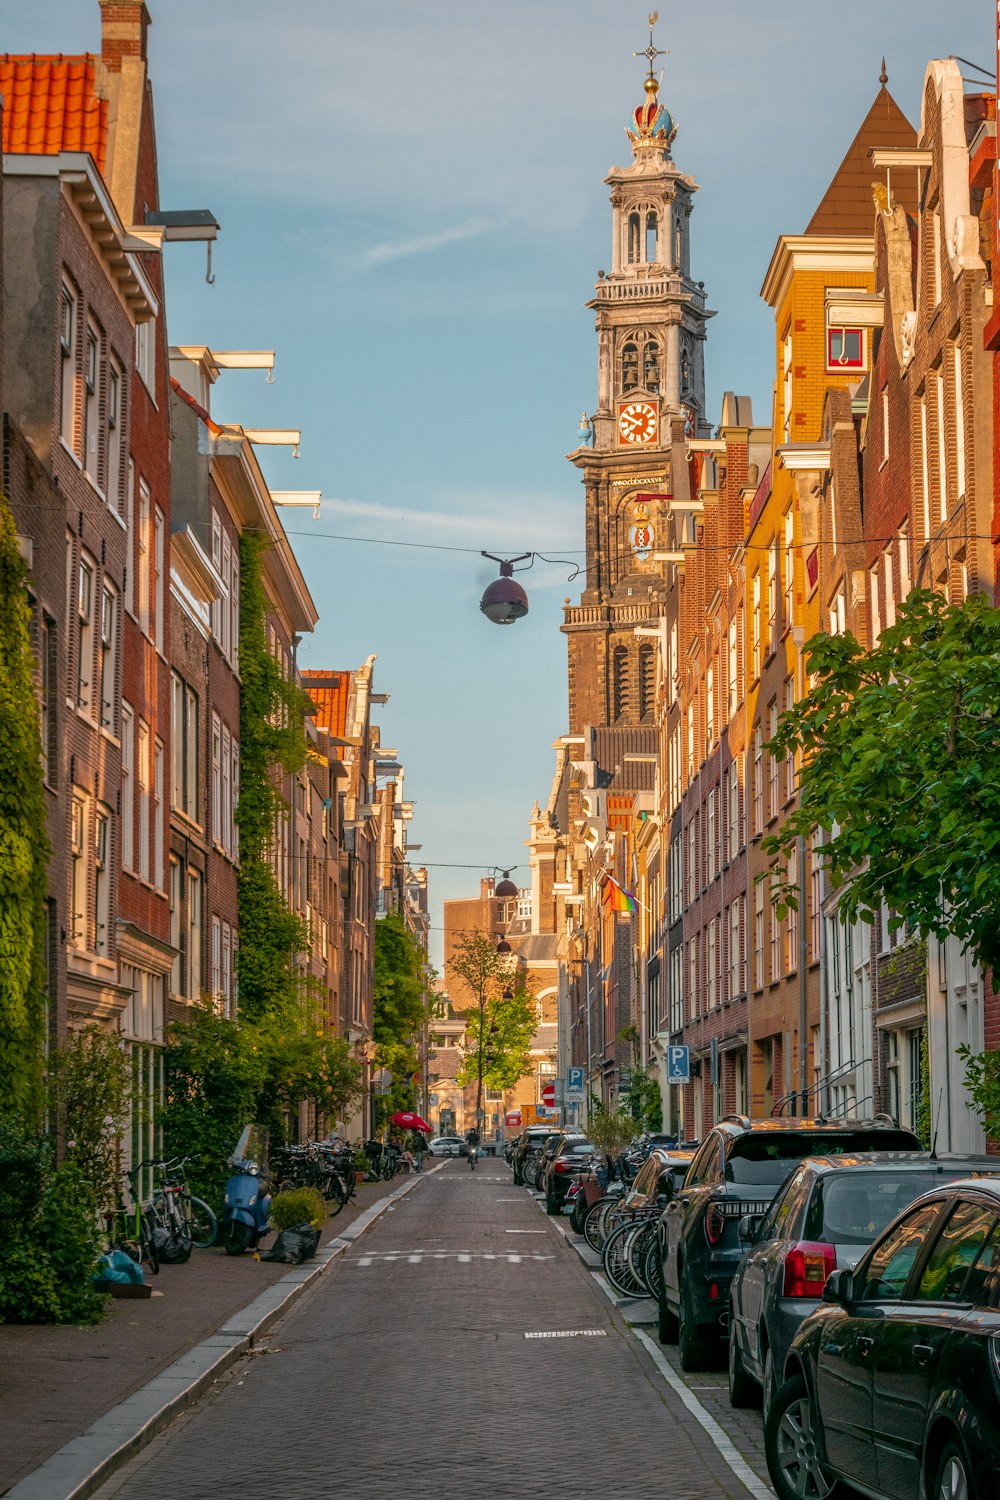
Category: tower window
<point>678,237</point>
<point>634,239</point>
<point>630,366</point>
<point>647,680</point>
<point>619,675</point>
<point>651,366</point>
<point>651,239</point>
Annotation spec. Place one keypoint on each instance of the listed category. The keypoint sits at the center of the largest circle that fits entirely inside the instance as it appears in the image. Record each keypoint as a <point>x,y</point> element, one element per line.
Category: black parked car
<point>739,1167</point>
<point>529,1143</point>
<point>823,1219</point>
<point>893,1383</point>
<point>559,1164</point>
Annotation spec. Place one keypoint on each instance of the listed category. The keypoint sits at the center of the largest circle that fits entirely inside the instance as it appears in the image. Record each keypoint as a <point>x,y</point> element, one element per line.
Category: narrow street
<point>421,1366</point>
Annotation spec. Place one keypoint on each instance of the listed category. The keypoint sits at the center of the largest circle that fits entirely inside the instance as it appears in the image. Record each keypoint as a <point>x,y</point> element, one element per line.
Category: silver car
<point>445,1145</point>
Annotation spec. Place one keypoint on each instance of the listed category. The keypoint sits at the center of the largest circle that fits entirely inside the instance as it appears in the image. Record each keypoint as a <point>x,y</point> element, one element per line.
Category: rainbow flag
<point>617,898</point>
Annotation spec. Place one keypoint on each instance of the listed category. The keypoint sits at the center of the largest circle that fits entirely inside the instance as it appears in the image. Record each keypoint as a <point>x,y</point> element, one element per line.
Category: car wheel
<point>743,1391</point>
<point>692,1342</point>
<point>790,1446</point>
<point>952,1480</point>
<point>666,1321</point>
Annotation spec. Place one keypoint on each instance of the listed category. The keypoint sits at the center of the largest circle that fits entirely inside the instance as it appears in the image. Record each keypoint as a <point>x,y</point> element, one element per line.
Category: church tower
<point>651,323</point>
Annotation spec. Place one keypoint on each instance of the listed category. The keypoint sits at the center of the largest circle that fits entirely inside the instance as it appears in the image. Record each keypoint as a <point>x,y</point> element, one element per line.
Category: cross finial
<point>651,52</point>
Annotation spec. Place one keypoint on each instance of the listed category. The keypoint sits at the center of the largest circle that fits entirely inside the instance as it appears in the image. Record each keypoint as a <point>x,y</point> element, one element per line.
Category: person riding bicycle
<point>472,1139</point>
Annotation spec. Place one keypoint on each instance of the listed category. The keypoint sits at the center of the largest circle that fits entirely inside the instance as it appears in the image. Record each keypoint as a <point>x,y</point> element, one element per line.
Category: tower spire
<point>652,52</point>
<point>653,126</point>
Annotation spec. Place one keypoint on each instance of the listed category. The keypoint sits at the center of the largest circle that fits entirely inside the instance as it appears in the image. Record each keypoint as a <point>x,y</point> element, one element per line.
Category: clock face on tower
<point>638,422</point>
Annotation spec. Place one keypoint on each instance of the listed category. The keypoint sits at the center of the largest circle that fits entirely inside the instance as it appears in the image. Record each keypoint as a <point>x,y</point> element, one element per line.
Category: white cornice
<point>805,456</point>
<point>815,253</point>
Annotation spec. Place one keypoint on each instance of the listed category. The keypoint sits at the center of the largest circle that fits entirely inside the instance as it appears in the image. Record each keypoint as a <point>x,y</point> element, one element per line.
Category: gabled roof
<point>330,694</point>
<point>51,105</point>
<point>847,207</point>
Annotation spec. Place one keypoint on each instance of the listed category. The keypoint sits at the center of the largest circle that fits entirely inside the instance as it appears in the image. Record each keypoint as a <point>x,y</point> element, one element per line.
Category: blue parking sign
<point>574,1083</point>
<point>678,1065</point>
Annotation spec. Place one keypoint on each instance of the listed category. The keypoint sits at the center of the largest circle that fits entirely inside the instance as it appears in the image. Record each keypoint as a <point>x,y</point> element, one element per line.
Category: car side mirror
<point>839,1288</point>
<point>749,1227</point>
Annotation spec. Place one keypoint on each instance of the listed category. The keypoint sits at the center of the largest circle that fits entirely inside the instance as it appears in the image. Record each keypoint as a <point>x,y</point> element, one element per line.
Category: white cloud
<point>423,244</point>
<point>543,523</point>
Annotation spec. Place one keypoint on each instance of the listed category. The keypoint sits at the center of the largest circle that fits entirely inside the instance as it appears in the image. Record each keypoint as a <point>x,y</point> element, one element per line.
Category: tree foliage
<point>88,1089</point>
<point>24,846</point>
<point>399,1011</point>
<point>272,743</point>
<point>900,752</point>
<point>500,1013</point>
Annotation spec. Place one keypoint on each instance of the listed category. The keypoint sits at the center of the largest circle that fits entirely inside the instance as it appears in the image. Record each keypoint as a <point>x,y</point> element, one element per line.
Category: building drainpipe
<point>803,1012</point>
<point>824,999</point>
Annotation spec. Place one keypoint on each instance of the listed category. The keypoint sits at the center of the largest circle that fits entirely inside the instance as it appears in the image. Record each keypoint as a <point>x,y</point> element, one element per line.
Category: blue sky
<point>413,213</point>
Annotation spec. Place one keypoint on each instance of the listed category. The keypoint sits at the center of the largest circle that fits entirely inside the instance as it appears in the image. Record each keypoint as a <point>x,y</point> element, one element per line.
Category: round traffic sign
<point>549,1095</point>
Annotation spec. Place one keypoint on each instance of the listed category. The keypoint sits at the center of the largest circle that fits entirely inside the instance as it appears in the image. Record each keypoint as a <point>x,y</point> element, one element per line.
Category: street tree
<point>900,769</point>
<point>501,1016</point>
<point>400,1013</point>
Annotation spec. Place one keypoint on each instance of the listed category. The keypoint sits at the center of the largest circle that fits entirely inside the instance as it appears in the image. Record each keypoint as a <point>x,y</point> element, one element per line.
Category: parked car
<point>823,1219</point>
<point>559,1163</point>
<point>529,1143</point>
<point>445,1145</point>
<point>893,1382</point>
<point>737,1170</point>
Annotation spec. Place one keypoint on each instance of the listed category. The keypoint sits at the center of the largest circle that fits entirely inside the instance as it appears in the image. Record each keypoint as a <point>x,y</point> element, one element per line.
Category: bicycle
<point>179,1211</point>
<point>130,1226</point>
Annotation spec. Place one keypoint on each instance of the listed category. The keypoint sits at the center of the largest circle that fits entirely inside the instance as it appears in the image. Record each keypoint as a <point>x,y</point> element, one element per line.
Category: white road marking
<point>524,1231</point>
<point>723,1443</point>
<point>570,1333</point>
<point>465,1257</point>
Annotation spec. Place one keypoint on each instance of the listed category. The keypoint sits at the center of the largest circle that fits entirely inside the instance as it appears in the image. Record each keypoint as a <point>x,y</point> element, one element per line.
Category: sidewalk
<point>56,1381</point>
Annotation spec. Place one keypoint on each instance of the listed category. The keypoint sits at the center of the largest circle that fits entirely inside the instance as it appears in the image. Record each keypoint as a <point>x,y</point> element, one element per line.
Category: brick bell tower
<point>651,324</point>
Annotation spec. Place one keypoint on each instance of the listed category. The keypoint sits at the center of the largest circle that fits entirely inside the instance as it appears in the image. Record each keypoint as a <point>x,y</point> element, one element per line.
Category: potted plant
<point>362,1166</point>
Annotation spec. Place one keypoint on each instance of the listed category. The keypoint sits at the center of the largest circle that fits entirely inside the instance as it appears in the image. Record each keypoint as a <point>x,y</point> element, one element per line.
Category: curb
<point>80,1467</point>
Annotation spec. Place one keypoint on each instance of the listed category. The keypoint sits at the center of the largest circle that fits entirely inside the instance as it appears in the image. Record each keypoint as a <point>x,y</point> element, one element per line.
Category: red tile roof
<point>329,692</point>
<point>847,206</point>
<point>51,105</point>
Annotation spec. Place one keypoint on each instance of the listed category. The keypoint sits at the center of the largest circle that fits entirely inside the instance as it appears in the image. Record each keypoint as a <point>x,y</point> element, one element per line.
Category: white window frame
<point>69,317</point>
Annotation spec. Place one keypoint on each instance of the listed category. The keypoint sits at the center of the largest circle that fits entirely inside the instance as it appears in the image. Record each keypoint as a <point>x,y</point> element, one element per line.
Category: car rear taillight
<point>564,1166</point>
<point>807,1265</point>
<point>715,1223</point>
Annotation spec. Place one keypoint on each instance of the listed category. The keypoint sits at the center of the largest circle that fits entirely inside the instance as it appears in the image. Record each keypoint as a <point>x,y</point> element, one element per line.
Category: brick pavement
<point>55,1381</point>
<point>407,1371</point>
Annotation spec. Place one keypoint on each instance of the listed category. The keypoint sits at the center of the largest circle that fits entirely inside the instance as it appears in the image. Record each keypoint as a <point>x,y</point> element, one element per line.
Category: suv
<point>530,1143</point>
<point>738,1169</point>
<point>560,1162</point>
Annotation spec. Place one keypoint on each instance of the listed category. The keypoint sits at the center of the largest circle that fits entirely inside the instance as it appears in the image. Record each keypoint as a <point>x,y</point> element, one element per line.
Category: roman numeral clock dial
<point>638,423</point>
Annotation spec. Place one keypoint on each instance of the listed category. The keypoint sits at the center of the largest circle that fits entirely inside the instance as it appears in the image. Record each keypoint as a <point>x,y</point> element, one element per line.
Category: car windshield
<point>764,1159</point>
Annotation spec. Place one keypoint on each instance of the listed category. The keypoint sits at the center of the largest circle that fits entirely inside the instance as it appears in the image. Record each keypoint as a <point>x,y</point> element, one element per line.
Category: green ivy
<point>24,845</point>
<point>272,742</point>
<point>922,1125</point>
<point>88,1091</point>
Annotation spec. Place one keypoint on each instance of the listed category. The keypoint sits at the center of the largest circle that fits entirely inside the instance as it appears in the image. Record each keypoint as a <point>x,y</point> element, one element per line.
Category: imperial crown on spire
<point>652,125</point>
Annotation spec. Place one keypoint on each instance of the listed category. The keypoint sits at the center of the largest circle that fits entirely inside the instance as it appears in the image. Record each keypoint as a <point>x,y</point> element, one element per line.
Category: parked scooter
<point>247,1201</point>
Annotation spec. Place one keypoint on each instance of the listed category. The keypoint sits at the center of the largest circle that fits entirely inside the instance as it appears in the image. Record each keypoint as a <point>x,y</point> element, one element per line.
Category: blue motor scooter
<point>247,1201</point>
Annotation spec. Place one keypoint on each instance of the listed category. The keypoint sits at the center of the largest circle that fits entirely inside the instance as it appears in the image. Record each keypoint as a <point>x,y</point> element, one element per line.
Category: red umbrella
<point>407,1120</point>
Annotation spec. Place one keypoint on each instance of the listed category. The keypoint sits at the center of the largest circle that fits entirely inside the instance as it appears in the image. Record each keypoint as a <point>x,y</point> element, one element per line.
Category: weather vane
<point>652,52</point>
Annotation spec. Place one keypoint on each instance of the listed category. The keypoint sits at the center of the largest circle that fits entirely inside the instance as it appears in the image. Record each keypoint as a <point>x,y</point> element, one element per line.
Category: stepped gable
<point>846,207</point>
<point>51,104</point>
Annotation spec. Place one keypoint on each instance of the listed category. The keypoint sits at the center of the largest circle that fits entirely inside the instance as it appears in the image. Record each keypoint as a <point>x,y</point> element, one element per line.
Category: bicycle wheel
<point>614,1259</point>
<point>635,1254</point>
<point>147,1243</point>
<point>202,1224</point>
<point>652,1269</point>
<point>592,1225</point>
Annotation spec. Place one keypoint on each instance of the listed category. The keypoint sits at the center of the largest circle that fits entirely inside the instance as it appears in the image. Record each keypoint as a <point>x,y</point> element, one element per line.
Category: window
<point>936,259</point>
<point>216,779</point>
<point>144,563</point>
<point>176,937</point>
<point>711,987</point>
<point>888,1270</point>
<point>143,769</point>
<point>735,841</point>
<point>925,473</point>
<point>184,749</point>
<point>67,367</point>
<point>774,939</point>
<point>692,861</point>
<point>942,451</point>
<point>712,835</point>
<point>756,624</point>
<point>772,761</point>
<point>234,793</point>
<point>651,239</point>
<point>885,425</point>
<point>815,899</point>
<point>145,354</point>
<point>758,935</point>
<point>758,779</point>
<point>677,989</point>
<point>890,592</point>
<point>115,436</point>
<point>693,977</point>
<point>789,754</point>
<point>734,950</point>
<point>157,813</point>
<point>128,787</point>
<point>647,680</point>
<point>159,576</point>
<point>227,969</point>
<point>904,562</point>
<point>690,731</point>
<point>789,562</point>
<point>227,804</point>
<point>792,920</point>
<point>48,686</point>
<point>619,682</point>
<point>109,655</point>
<point>225,638</point>
<point>91,405</point>
<point>733,672</point>
<point>216,977</point>
<point>129,579</point>
<point>78,872</point>
<point>634,243</point>
<point>85,636</point>
<point>772,596</point>
<point>786,360</point>
<point>709,710</point>
<point>102,880</point>
<point>845,348</point>
<point>193,935</point>
<point>651,366</point>
<point>873,590</point>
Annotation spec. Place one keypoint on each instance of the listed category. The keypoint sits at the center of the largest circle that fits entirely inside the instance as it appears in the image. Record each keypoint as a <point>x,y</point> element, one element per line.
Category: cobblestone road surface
<point>415,1369</point>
